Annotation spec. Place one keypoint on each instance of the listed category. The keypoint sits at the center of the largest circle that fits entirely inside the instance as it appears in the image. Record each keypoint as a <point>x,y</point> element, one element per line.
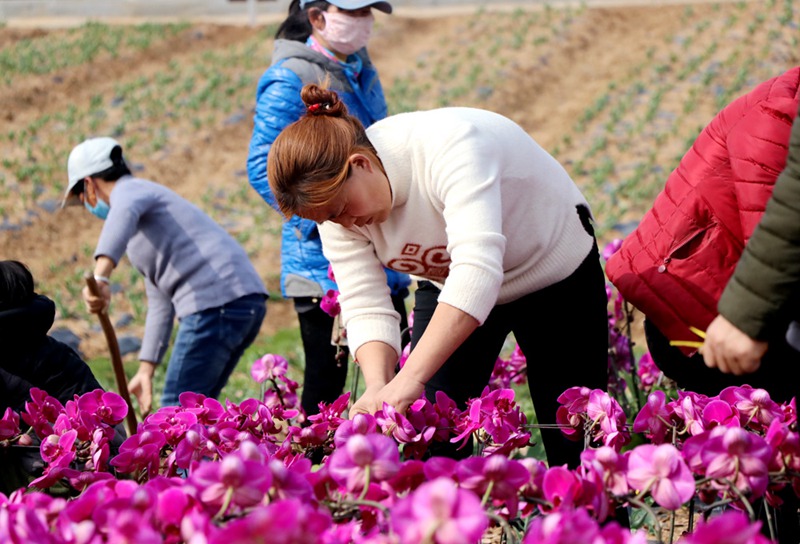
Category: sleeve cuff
<point>373,328</point>
<point>472,290</point>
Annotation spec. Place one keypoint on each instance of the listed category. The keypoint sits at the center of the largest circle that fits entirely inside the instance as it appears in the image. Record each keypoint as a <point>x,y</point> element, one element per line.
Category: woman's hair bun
<point>322,101</point>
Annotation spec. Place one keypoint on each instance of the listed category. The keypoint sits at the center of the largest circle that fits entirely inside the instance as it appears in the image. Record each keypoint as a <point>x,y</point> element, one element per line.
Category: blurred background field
<point>616,93</point>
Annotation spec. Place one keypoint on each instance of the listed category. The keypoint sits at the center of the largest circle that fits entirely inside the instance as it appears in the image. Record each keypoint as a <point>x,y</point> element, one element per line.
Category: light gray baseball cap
<point>86,159</point>
<point>383,6</point>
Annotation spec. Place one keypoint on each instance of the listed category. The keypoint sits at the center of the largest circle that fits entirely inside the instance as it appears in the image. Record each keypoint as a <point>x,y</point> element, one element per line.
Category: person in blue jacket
<point>319,40</point>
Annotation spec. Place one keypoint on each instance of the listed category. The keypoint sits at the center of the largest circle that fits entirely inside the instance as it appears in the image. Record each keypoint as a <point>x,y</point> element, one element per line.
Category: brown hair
<point>308,162</point>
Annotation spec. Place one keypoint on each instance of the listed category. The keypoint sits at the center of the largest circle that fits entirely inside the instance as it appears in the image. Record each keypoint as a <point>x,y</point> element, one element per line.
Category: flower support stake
<point>116,358</point>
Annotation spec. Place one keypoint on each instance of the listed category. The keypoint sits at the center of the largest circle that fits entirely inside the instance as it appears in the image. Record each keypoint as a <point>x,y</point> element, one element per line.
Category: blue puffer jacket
<point>304,269</point>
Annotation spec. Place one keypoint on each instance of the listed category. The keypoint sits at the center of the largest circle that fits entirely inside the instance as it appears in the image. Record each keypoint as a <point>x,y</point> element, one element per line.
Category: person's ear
<point>316,18</point>
<point>89,192</point>
<point>357,160</point>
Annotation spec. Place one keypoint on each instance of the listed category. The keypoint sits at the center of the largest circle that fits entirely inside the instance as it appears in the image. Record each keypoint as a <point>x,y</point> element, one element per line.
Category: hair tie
<point>314,107</point>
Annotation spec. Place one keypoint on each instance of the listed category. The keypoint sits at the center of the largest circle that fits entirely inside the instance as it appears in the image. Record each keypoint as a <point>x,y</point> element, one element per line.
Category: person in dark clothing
<point>31,358</point>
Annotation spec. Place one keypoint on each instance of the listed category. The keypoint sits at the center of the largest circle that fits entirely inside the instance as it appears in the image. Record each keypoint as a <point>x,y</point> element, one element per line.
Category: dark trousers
<point>561,329</point>
<point>692,374</point>
<point>773,375</point>
<point>325,374</point>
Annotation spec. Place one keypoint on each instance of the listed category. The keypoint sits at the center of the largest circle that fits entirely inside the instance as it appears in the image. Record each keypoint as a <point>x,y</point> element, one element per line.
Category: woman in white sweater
<point>465,199</point>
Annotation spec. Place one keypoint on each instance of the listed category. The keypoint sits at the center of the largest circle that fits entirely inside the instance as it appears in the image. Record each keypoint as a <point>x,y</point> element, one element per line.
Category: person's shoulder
<point>293,58</point>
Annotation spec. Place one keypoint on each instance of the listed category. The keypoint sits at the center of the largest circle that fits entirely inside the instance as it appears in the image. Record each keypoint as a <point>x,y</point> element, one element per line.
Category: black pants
<point>773,375</point>
<point>324,375</point>
<point>692,374</point>
<point>563,332</point>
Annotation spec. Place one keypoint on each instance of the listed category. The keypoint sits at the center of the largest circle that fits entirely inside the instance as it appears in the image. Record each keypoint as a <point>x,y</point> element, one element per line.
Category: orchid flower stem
<point>363,502</point>
<point>628,309</point>
<point>657,525</point>
<point>742,498</point>
<point>770,521</point>
<point>487,493</point>
<point>277,391</point>
<point>366,482</point>
<point>507,531</point>
<point>672,526</point>
<point>226,502</point>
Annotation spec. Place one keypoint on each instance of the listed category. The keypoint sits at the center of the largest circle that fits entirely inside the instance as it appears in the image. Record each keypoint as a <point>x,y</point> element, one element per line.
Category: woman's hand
<point>368,402</point>
<point>400,393</point>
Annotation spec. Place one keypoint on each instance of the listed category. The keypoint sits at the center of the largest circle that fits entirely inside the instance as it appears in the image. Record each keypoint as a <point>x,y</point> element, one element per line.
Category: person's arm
<point>157,332</point>
<point>448,329</point>
<point>469,188</point>
<point>766,276</point>
<point>103,267</point>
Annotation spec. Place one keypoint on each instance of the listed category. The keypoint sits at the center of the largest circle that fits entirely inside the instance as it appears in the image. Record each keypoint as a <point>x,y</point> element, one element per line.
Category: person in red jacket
<point>677,262</point>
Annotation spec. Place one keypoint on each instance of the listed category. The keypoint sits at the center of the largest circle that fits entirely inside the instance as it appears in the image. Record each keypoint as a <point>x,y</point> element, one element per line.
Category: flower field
<point>617,94</point>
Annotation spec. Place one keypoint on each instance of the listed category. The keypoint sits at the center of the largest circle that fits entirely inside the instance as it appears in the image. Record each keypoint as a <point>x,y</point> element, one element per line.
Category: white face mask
<point>346,34</point>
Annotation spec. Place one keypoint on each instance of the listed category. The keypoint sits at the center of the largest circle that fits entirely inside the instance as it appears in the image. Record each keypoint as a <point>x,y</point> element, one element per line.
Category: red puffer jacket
<point>676,263</point>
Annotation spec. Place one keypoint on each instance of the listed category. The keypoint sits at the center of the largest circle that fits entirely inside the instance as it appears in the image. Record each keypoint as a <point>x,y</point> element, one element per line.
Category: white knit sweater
<point>477,205</point>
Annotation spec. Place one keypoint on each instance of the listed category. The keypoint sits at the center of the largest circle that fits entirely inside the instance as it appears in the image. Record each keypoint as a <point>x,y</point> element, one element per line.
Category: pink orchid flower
<point>654,419</point>
<point>439,511</point>
<point>649,374</point>
<point>107,406</point>
<point>240,481</point>
<point>728,528</point>
<point>281,522</point>
<point>740,457</point>
<point>500,476</point>
<point>755,406</point>
<point>329,303</point>
<point>268,367</point>
<point>9,424</point>
<point>364,459</point>
<point>661,471</point>
<point>609,419</point>
<point>563,489</point>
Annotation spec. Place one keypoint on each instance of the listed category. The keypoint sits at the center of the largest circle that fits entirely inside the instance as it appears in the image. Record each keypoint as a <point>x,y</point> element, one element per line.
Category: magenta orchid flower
<point>649,374</point>
<point>609,420</point>
<point>140,451</point>
<point>563,489</point>
<point>107,406</point>
<point>329,303</point>
<point>414,430</point>
<point>234,480</point>
<point>495,476</point>
<point>364,459</point>
<point>9,425</point>
<point>612,247</point>
<point>41,412</point>
<point>654,419</point>
<point>738,456</point>
<point>282,522</point>
<point>756,408</point>
<point>728,528</point>
<point>661,471</point>
<point>577,526</point>
<point>360,424</point>
<point>441,512</point>
<point>689,408</point>
<point>719,413</point>
<point>268,367</point>
<point>571,415</point>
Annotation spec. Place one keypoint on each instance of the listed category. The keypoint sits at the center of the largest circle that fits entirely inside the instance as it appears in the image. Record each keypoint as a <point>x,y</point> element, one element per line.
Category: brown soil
<point>546,90</point>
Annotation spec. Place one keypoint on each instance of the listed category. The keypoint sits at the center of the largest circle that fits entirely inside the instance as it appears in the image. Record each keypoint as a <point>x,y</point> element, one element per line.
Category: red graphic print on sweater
<point>432,263</point>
